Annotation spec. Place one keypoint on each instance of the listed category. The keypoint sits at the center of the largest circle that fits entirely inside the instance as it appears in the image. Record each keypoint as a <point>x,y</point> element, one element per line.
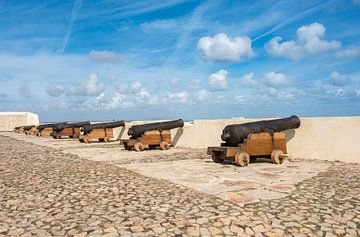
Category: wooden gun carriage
<point>257,145</point>
<point>70,130</point>
<point>151,135</point>
<point>103,132</point>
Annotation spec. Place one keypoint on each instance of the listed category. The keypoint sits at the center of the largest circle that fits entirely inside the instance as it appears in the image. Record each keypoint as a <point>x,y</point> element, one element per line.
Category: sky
<point>155,59</point>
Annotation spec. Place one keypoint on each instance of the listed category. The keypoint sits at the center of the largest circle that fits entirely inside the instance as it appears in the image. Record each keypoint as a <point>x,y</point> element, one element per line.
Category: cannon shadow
<point>177,136</point>
<point>289,134</point>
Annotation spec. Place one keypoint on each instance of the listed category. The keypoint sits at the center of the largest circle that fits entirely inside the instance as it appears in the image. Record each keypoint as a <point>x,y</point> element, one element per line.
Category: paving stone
<point>45,192</point>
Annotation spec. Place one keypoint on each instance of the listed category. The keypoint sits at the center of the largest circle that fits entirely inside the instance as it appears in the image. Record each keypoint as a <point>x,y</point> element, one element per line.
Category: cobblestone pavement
<point>45,192</point>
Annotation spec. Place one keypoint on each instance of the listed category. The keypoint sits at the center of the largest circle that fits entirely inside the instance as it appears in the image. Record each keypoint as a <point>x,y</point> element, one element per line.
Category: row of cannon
<point>241,141</point>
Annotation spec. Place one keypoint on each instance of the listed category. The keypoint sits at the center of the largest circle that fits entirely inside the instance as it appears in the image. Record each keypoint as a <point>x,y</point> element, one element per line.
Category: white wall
<point>10,120</point>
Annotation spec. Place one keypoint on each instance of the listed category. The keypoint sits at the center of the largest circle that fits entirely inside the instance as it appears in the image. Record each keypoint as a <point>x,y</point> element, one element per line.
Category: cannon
<point>30,129</point>
<point>103,132</point>
<point>48,129</point>
<point>71,130</point>
<point>248,141</point>
<point>19,129</point>
<point>151,135</point>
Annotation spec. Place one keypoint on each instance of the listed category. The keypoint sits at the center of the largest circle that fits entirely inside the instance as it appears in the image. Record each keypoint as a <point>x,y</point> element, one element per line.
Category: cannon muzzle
<point>88,128</point>
<point>236,133</point>
<point>138,130</point>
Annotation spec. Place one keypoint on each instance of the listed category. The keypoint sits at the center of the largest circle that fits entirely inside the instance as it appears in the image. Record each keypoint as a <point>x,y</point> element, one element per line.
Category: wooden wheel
<point>242,158</point>
<point>277,157</point>
<point>87,140</point>
<point>139,146</point>
<point>126,146</point>
<point>75,136</point>
<point>216,157</point>
<point>106,139</point>
<point>164,145</point>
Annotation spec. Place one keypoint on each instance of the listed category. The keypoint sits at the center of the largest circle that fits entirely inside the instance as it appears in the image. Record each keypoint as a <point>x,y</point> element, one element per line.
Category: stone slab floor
<point>46,192</point>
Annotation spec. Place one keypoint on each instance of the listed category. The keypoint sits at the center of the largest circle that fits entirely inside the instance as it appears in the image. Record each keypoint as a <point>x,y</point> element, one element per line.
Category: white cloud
<point>247,80</point>
<point>202,95</point>
<point>240,99</point>
<point>135,86</point>
<point>349,53</point>
<point>55,90</point>
<point>222,47</point>
<point>119,101</point>
<point>218,81</point>
<point>337,79</point>
<point>25,92</point>
<point>179,97</point>
<point>308,43</point>
<point>90,87</point>
<point>357,92</point>
<point>103,56</point>
<point>276,80</point>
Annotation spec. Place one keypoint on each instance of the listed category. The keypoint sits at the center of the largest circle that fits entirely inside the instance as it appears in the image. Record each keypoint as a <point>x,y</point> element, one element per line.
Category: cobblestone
<point>44,192</point>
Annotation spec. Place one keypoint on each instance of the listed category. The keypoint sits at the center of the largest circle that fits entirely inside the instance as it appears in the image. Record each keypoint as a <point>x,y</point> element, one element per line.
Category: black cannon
<point>60,127</point>
<point>138,130</point>
<point>71,130</point>
<point>50,125</point>
<point>28,127</point>
<point>236,133</point>
<point>103,132</point>
<point>88,128</point>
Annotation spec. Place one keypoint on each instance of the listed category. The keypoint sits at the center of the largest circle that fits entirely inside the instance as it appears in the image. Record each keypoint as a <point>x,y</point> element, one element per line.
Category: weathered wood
<point>256,145</point>
<point>151,139</point>
<point>100,134</point>
<point>71,132</point>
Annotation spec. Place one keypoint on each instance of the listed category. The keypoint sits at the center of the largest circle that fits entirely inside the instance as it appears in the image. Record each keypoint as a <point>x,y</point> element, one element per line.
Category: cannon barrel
<point>236,133</point>
<point>88,128</point>
<point>50,125</point>
<point>59,128</point>
<point>18,127</point>
<point>28,127</point>
<point>138,130</point>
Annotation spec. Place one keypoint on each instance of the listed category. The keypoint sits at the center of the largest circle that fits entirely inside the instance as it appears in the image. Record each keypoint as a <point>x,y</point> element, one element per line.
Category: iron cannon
<point>236,133</point>
<point>50,125</point>
<point>88,128</point>
<point>60,127</point>
<point>138,130</point>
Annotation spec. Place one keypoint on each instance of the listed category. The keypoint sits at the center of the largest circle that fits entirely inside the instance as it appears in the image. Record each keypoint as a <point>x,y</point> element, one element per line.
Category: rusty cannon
<point>103,132</point>
<point>266,138</point>
<point>71,130</point>
<point>48,129</point>
<point>151,135</point>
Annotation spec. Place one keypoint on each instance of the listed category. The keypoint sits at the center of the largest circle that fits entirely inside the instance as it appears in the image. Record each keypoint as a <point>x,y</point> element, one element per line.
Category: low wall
<point>10,120</point>
<point>325,138</point>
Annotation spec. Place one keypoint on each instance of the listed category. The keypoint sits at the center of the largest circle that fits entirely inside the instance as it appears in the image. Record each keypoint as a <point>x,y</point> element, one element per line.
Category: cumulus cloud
<point>349,53</point>
<point>202,95</point>
<point>247,80</point>
<point>119,101</point>
<point>135,86</point>
<point>336,79</point>
<point>178,97</point>
<point>218,81</point>
<point>24,91</point>
<point>103,56</point>
<point>309,42</point>
<point>90,87</point>
<point>276,80</point>
<point>55,90</point>
<point>222,47</point>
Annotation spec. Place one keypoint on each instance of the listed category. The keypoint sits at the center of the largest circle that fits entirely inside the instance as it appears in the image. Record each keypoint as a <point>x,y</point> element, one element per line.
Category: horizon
<point>80,60</point>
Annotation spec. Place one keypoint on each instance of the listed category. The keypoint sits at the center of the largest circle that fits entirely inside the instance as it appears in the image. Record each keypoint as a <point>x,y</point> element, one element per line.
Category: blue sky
<point>74,60</point>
